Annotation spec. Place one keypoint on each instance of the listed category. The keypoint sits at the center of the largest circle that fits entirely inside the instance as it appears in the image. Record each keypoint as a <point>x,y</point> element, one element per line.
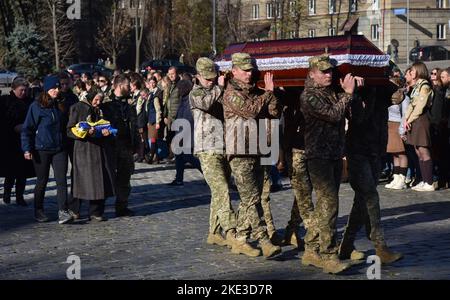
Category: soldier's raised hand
<point>221,80</point>
<point>268,82</point>
<point>348,84</point>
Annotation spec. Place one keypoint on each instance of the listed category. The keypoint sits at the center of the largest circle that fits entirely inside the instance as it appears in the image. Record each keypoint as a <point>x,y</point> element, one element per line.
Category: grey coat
<point>93,158</point>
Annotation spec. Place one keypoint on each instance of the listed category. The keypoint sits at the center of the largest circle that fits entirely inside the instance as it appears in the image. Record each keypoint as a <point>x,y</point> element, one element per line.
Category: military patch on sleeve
<point>237,100</point>
<point>197,93</point>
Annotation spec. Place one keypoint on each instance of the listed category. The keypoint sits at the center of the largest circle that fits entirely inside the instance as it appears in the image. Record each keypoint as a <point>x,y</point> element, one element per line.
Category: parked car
<point>429,53</point>
<point>89,68</point>
<point>7,77</point>
<point>163,65</point>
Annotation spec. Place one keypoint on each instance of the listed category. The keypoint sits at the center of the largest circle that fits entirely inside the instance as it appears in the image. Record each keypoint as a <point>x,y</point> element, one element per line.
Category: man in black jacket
<point>123,117</point>
<point>365,144</point>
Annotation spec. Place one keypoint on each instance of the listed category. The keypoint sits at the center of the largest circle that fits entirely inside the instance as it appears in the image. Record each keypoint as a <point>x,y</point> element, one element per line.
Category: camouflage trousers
<point>125,168</point>
<point>249,176</point>
<point>303,206</point>
<point>265,200</point>
<point>363,176</point>
<point>216,171</point>
<point>321,234</point>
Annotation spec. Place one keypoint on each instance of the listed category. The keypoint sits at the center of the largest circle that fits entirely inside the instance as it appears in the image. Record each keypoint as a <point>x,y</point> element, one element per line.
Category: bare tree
<point>291,18</point>
<point>139,24</point>
<point>231,11</point>
<point>62,32</point>
<point>154,42</point>
<point>115,30</point>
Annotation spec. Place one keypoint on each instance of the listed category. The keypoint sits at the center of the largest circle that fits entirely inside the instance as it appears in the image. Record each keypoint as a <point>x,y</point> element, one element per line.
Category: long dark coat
<point>14,112</point>
<point>93,158</point>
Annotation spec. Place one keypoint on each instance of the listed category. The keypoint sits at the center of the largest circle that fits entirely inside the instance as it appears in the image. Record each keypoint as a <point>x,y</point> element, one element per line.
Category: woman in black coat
<point>16,169</point>
<point>93,158</point>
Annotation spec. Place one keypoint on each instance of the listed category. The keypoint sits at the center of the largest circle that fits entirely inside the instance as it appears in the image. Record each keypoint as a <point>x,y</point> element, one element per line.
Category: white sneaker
<point>418,186</point>
<point>426,188</point>
<point>392,183</point>
<point>400,183</point>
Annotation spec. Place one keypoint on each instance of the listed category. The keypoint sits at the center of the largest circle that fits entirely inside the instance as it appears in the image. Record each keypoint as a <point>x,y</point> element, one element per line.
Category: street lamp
<point>407,32</point>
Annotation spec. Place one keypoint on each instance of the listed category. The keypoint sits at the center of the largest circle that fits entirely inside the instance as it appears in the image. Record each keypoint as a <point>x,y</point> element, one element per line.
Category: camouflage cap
<point>206,68</point>
<point>321,62</point>
<point>242,60</point>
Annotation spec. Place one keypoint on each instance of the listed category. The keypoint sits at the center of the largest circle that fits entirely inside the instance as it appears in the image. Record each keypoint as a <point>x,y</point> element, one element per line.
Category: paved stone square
<point>167,238</point>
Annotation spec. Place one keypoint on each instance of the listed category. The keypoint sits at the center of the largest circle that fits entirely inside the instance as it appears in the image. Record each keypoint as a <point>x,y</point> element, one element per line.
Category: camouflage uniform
<point>303,206</point>
<point>245,102</point>
<point>207,111</point>
<point>123,117</point>
<point>324,113</point>
<point>265,201</point>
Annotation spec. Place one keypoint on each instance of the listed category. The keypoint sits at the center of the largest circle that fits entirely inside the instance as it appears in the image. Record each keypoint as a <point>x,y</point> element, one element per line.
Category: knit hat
<point>51,82</point>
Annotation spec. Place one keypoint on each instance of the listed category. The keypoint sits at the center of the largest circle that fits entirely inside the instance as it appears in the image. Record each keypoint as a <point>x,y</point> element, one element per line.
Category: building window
<point>255,11</point>
<point>292,8</point>
<point>140,4</point>
<point>353,5</point>
<point>331,31</point>
<point>269,10</point>
<point>441,34</point>
<point>312,7</point>
<point>132,4</point>
<point>278,10</point>
<point>311,33</point>
<point>331,7</point>
<point>122,4</point>
<point>292,34</point>
<point>375,4</point>
<point>375,33</point>
<point>440,3</point>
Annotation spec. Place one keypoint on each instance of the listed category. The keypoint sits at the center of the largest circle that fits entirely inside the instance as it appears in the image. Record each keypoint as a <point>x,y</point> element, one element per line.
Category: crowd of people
<point>418,145</point>
<point>103,126</point>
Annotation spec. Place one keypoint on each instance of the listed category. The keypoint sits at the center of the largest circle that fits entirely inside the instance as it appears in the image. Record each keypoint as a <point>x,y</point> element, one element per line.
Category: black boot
<point>8,185</point>
<point>20,189</point>
<point>124,212</point>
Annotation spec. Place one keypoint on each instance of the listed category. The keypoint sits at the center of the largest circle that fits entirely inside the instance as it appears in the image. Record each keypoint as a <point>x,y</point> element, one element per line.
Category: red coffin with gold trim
<point>288,59</point>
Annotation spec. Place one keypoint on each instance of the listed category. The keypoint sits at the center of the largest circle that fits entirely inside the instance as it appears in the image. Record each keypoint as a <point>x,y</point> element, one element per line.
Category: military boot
<point>348,251</point>
<point>269,249</point>
<point>216,239</point>
<point>290,239</point>
<point>294,239</point>
<point>242,247</point>
<point>386,255</point>
<point>333,265</point>
<point>311,258</point>
<point>230,238</point>
<point>276,238</point>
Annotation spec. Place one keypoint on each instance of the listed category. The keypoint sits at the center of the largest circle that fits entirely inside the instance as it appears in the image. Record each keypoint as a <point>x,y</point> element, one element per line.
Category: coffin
<point>288,59</point>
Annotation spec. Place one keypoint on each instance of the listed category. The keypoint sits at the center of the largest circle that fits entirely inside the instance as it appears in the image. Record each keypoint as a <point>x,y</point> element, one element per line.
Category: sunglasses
<point>102,81</point>
<point>433,73</point>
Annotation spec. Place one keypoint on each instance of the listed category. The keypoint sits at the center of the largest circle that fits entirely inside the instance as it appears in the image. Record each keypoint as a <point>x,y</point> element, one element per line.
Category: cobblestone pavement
<point>167,238</point>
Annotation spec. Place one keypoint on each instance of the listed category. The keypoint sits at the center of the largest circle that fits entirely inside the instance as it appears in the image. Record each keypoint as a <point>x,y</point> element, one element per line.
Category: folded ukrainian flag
<point>81,129</point>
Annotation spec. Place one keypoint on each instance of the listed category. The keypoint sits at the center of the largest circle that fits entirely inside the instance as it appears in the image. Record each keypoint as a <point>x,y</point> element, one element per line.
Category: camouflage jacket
<point>207,110</point>
<point>324,113</point>
<point>244,102</point>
